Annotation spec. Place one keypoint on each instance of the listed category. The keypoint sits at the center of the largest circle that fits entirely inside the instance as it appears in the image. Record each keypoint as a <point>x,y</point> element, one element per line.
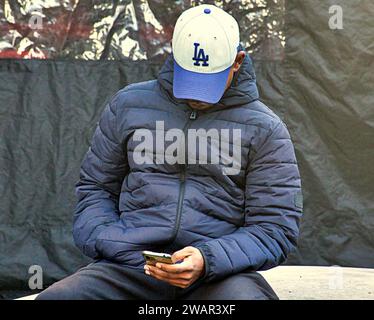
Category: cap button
<point>206,10</point>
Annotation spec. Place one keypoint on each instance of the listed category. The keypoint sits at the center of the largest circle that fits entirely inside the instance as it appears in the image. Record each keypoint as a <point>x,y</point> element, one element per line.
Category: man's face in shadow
<point>199,105</point>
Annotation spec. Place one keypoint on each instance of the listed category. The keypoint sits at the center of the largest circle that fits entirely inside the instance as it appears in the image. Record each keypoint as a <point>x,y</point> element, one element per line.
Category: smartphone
<point>153,257</point>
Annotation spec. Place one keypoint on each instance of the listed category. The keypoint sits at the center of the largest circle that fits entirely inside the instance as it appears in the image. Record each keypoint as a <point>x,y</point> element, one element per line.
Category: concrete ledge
<point>321,283</point>
<point>315,283</point>
<point>31,297</point>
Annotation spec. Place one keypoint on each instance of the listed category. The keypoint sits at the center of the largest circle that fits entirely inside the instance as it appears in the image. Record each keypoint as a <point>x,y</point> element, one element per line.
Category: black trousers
<point>106,280</point>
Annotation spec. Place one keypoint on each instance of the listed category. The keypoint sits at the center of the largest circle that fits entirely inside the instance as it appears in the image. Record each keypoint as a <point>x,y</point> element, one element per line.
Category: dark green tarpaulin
<point>323,89</point>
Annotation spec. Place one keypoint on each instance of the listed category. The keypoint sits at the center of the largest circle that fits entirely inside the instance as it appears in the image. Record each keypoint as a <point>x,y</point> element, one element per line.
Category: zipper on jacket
<point>182,181</point>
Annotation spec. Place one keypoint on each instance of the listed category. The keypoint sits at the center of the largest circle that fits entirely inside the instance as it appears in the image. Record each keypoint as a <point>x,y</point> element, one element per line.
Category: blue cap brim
<point>205,87</point>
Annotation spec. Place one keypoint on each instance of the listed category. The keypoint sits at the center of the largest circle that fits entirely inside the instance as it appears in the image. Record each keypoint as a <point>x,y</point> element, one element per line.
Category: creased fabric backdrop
<point>321,84</point>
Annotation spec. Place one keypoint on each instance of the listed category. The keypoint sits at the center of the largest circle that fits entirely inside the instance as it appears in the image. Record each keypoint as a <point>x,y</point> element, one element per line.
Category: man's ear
<point>239,60</point>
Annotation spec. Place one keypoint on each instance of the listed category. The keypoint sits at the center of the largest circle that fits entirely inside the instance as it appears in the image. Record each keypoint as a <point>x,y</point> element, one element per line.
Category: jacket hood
<point>243,88</point>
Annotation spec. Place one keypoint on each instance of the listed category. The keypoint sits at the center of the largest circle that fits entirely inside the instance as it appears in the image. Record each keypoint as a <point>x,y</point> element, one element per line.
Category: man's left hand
<point>182,274</point>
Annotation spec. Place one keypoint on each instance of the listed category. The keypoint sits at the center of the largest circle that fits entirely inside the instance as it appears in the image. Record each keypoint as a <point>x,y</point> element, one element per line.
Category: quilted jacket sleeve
<point>102,172</point>
<point>272,211</point>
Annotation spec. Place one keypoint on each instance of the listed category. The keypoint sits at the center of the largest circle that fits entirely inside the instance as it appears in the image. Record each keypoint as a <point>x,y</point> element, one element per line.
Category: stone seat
<point>315,283</point>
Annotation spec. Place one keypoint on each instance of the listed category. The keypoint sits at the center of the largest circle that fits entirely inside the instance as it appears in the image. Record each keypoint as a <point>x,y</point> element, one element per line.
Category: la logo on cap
<point>200,56</point>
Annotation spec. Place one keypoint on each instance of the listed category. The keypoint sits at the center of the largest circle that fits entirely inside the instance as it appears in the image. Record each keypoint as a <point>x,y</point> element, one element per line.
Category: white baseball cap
<point>205,43</point>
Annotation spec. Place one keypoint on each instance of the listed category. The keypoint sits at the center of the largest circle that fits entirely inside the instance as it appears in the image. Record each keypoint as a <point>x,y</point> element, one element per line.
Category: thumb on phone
<point>180,255</point>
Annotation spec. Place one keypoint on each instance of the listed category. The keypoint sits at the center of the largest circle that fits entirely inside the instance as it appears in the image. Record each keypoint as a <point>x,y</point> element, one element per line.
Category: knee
<point>247,286</point>
<point>57,292</point>
<point>49,294</point>
<point>252,286</point>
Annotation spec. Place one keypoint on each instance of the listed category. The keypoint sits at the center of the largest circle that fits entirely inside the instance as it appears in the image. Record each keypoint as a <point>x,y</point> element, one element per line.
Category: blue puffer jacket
<point>247,220</point>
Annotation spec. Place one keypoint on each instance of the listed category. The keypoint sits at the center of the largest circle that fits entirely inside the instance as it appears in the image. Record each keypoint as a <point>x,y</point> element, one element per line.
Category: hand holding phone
<point>188,267</point>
